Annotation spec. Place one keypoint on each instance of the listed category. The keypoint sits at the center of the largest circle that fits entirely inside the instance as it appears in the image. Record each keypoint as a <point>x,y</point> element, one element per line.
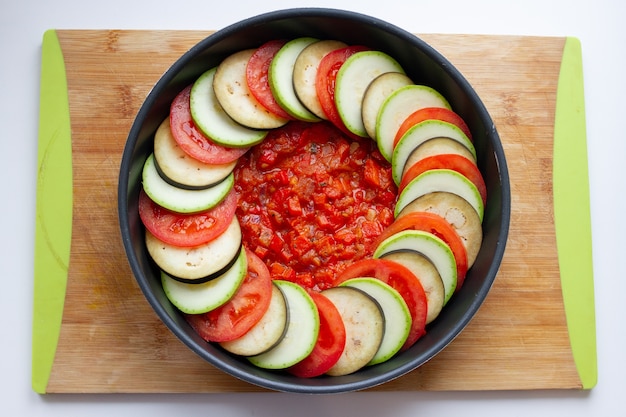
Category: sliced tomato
<point>257,76</point>
<point>233,319</point>
<point>437,225</point>
<point>432,113</point>
<point>455,162</point>
<point>402,280</point>
<point>325,83</point>
<point>330,342</point>
<point>193,142</point>
<point>186,230</point>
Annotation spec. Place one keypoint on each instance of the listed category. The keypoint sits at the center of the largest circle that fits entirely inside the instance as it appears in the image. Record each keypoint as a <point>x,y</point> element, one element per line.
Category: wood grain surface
<point>111,340</point>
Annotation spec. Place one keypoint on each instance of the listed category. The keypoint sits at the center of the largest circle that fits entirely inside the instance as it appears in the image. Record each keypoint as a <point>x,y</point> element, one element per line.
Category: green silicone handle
<point>572,213</point>
<point>53,228</point>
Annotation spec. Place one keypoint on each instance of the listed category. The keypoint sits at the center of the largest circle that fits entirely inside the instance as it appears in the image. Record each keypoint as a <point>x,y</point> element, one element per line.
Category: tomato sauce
<point>312,200</point>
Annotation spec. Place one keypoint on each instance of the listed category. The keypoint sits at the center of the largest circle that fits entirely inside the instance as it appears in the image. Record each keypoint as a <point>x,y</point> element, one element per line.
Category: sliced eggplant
<point>376,93</point>
<point>364,323</point>
<point>268,331</point>
<point>395,311</point>
<point>428,276</point>
<point>438,146</point>
<point>458,212</point>
<point>305,73</point>
<point>197,264</point>
<point>179,169</point>
<point>231,89</point>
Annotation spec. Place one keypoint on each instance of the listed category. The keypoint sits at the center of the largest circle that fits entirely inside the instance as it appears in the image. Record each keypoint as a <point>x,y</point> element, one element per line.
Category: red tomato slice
<point>430,113</point>
<point>437,225</point>
<point>233,319</point>
<point>186,229</point>
<point>191,140</point>
<point>330,342</point>
<point>455,162</point>
<point>257,76</point>
<point>402,280</point>
<point>325,83</point>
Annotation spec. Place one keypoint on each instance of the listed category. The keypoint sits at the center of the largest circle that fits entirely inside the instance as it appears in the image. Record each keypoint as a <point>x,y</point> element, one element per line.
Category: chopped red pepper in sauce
<point>311,201</point>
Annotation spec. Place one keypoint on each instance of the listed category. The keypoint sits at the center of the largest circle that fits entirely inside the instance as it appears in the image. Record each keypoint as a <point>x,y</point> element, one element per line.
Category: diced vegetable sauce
<point>312,200</point>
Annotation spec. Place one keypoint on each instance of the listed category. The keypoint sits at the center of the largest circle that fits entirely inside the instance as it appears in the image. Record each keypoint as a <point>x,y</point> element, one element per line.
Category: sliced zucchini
<point>397,107</point>
<point>418,135</point>
<point>353,78</point>
<point>281,79</point>
<point>201,298</point>
<point>179,199</point>
<point>441,180</point>
<point>301,333</point>
<point>429,245</point>
<point>210,117</point>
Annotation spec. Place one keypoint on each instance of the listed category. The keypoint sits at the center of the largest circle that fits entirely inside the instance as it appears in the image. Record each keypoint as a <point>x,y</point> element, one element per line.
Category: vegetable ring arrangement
<point>310,207</point>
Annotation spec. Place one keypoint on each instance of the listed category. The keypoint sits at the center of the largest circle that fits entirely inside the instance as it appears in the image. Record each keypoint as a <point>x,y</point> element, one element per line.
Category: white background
<point>600,25</point>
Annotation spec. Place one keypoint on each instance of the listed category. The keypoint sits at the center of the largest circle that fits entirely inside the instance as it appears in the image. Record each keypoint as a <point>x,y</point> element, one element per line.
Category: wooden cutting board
<point>93,331</point>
